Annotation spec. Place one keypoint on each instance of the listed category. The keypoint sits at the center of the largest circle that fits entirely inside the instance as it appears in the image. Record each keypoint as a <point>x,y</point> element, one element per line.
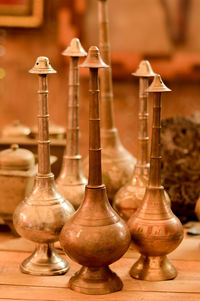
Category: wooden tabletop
<point>15,285</point>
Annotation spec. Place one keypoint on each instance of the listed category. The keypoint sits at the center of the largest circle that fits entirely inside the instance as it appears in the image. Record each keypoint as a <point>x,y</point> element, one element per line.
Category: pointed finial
<point>93,59</point>
<point>74,49</point>
<point>144,70</point>
<point>157,85</point>
<point>42,66</point>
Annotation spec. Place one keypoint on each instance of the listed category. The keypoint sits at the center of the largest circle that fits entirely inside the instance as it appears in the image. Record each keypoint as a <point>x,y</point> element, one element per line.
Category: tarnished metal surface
<point>155,230</point>
<point>71,182</point>
<point>95,236</point>
<point>130,196</point>
<point>41,216</point>
<point>117,163</point>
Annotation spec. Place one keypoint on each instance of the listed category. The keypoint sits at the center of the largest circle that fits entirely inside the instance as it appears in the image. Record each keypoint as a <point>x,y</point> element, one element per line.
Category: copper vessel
<point>155,230</point>
<point>129,197</point>
<point>117,163</point>
<point>95,236</point>
<point>41,216</point>
<point>71,182</point>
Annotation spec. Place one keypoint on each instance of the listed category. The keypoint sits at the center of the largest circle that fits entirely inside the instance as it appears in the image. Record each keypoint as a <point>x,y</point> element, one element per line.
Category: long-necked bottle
<point>155,230</point>
<point>95,236</point>
<point>117,163</point>
<point>129,197</point>
<point>41,216</point>
<point>71,182</point>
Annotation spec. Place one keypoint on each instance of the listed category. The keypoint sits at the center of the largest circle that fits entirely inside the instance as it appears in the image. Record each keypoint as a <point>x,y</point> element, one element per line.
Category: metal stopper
<point>75,49</point>
<point>42,66</point>
<point>157,85</point>
<point>144,70</point>
<point>93,59</point>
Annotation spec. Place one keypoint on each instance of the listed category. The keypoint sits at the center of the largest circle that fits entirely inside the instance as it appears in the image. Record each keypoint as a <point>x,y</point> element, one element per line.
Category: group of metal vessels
<point>120,199</point>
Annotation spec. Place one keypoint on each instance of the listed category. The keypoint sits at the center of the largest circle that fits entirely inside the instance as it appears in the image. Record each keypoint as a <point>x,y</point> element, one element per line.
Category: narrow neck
<point>105,73</point>
<point>143,116</point>
<point>155,158</point>
<point>44,166</point>
<point>72,146</point>
<point>95,173</point>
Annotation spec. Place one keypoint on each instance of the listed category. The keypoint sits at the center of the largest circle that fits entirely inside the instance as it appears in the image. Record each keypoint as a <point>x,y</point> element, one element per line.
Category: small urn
<point>129,197</point>
<point>16,130</point>
<point>17,175</point>
<point>71,182</point>
<point>42,214</point>
<point>155,230</point>
<point>95,236</point>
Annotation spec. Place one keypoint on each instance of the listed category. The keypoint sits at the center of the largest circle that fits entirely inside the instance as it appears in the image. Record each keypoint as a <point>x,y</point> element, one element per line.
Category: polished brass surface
<point>75,49</point>
<point>15,130</point>
<point>95,236</point>
<point>117,163</point>
<point>155,230</point>
<point>41,216</point>
<point>129,197</point>
<point>71,182</point>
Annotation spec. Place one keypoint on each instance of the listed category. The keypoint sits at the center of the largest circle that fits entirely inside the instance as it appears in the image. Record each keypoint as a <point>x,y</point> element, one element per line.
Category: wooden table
<point>15,285</point>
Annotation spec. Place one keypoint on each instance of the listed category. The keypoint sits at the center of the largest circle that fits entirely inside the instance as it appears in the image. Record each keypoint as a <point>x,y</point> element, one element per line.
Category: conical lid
<point>16,158</point>
<point>157,85</point>
<point>42,66</point>
<point>75,49</point>
<point>144,70</point>
<point>93,59</point>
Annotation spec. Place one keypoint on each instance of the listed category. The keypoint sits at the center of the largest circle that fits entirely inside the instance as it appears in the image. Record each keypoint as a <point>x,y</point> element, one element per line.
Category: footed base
<point>44,262</point>
<point>153,268</point>
<point>95,281</point>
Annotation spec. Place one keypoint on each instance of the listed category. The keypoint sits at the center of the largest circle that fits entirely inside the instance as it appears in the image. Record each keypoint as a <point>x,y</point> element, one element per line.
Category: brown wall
<point>129,32</point>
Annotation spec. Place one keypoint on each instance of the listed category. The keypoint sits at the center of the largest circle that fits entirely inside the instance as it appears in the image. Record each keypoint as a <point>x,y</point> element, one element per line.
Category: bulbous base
<point>153,268</point>
<point>95,281</point>
<point>44,262</point>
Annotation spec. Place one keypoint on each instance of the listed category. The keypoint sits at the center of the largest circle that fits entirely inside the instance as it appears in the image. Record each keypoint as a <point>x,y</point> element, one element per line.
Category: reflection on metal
<point>155,230</point>
<point>41,216</point>
<point>95,236</point>
<point>71,182</point>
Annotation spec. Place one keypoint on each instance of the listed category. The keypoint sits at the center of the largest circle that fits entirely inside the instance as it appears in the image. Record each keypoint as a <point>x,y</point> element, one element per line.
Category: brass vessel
<point>155,230</point>
<point>17,175</point>
<point>95,236</point>
<point>41,216</point>
<point>129,197</point>
<point>71,182</point>
<point>117,163</point>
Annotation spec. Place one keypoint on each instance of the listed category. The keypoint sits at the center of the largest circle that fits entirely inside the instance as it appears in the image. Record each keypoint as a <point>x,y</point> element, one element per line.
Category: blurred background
<point>163,31</point>
<point>166,32</point>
